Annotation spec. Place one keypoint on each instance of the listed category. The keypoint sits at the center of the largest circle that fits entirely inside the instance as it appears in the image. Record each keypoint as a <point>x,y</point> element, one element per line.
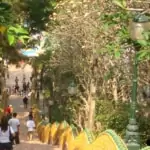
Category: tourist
<point>31,127</point>
<point>16,80</point>
<point>31,112</point>
<point>28,86</point>
<point>25,101</point>
<point>7,112</point>
<point>6,134</point>
<point>16,89</point>
<point>24,87</point>
<point>15,124</point>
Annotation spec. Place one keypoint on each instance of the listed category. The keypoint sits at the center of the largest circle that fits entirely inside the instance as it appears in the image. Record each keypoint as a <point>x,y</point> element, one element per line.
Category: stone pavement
<point>16,101</point>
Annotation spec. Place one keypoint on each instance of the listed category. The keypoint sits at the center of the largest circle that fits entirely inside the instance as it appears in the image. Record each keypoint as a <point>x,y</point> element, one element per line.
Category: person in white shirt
<point>6,132</point>
<point>15,124</point>
<point>31,126</point>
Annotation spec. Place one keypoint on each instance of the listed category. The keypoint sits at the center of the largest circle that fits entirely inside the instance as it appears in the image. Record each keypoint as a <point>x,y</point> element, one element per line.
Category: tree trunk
<point>91,112</point>
<point>3,92</point>
<point>115,89</point>
<point>4,99</point>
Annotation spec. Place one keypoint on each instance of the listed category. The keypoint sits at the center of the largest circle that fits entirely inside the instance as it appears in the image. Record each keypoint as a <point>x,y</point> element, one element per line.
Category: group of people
<point>25,86</point>
<point>10,128</point>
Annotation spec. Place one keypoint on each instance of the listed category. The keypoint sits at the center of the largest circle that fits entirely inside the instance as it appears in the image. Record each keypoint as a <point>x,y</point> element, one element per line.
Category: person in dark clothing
<point>28,86</point>
<point>30,113</point>
<point>24,87</point>
<point>25,102</point>
<point>16,88</point>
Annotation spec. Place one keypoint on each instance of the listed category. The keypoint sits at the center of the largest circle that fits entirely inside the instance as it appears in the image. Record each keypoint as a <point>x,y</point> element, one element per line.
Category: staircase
<point>32,146</point>
<point>17,104</point>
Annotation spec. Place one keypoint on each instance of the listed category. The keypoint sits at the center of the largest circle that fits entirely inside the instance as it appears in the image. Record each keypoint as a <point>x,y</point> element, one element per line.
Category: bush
<point>115,116</point>
<point>112,116</point>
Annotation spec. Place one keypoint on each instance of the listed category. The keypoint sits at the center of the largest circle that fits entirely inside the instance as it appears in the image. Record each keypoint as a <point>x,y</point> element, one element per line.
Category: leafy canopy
<point>39,12</point>
<point>5,14</point>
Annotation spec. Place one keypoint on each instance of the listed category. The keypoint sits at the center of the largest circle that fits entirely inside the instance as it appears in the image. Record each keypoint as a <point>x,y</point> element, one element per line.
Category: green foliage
<point>112,21</point>
<point>116,120</point>
<point>115,116</point>
<point>144,125</point>
<point>108,75</point>
<point>5,14</point>
<point>59,112</point>
<point>143,55</point>
<point>121,3</point>
<point>39,12</point>
<point>16,33</point>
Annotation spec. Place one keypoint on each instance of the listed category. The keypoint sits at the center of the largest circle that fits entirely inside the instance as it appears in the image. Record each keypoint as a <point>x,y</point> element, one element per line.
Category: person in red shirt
<point>7,110</point>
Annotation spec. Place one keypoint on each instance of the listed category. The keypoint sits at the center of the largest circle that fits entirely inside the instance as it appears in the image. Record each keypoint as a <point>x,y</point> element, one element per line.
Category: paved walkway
<point>16,101</point>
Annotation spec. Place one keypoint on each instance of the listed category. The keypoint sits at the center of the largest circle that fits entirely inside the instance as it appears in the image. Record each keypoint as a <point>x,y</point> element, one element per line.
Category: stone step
<point>33,146</point>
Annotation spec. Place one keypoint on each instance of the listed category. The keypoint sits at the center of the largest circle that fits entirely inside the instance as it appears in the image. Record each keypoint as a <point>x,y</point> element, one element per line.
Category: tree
<point>39,12</point>
<point>93,46</point>
<point>5,14</point>
<point>12,34</point>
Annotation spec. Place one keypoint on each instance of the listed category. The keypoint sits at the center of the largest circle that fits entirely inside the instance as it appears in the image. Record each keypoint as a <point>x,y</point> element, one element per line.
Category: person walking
<point>31,126</point>
<point>7,112</point>
<point>16,80</point>
<point>16,89</point>
<point>24,87</point>
<point>11,109</point>
<point>31,112</point>
<point>15,124</point>
<point>28,86</point>
<point>6,134</point>
<point>25,101</point>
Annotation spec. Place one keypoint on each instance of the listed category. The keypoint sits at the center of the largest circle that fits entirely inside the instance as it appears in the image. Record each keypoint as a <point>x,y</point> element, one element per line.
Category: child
<point>30,126</point>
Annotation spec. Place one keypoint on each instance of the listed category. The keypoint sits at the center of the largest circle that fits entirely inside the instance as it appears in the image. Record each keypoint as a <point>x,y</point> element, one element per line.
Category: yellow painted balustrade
<point>62,137</point>
<point>40,132</point>
<point>61,128</point>
<point>46,132</point>
<point>69,137</point>
<point>38,126</point>
<point>80,140</point>
<point>107,140</point>
<point>36,115</point>
<point>53,131</point>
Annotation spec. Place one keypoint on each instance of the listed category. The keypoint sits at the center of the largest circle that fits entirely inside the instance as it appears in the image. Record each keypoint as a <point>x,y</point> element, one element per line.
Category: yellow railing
<point>66,137</point>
